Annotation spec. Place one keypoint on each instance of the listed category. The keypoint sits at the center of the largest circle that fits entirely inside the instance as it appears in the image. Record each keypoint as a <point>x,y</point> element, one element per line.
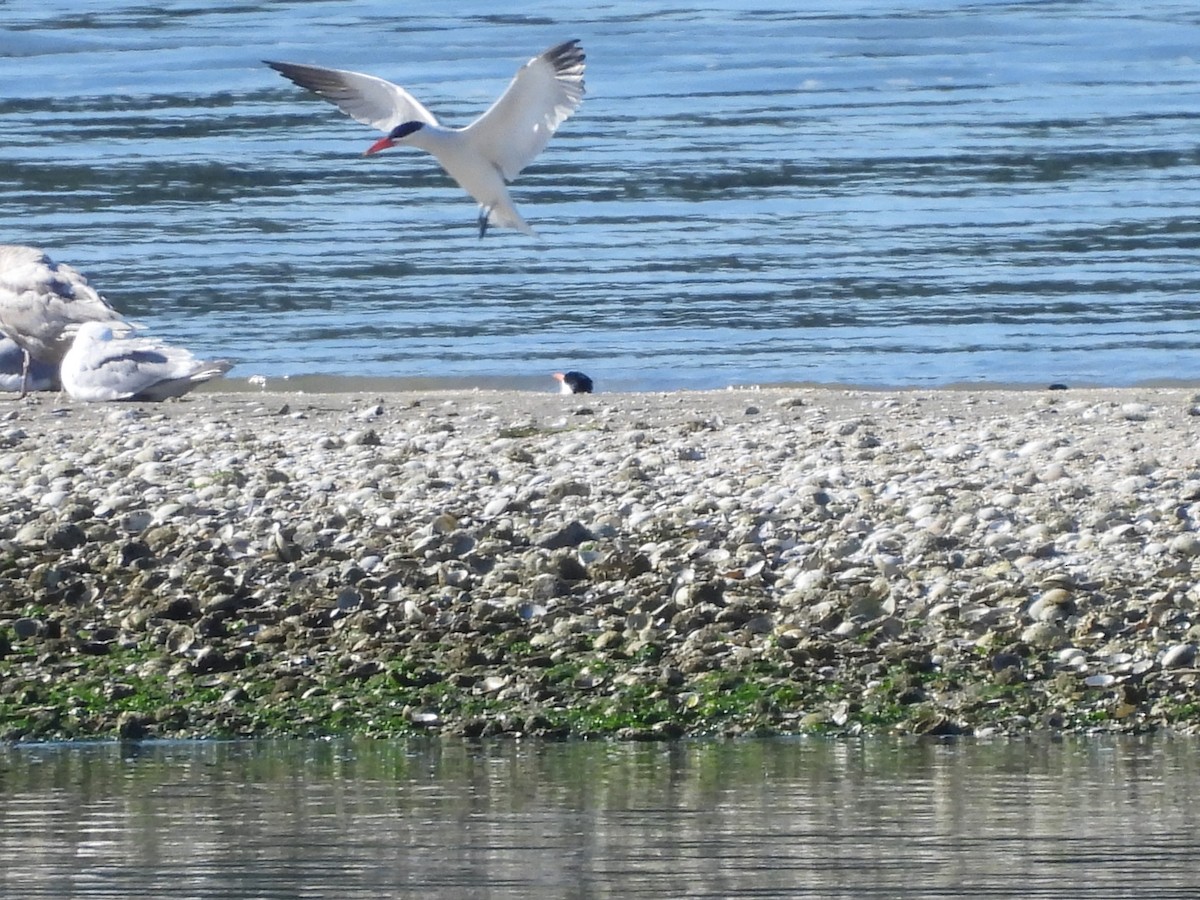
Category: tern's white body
<point>103,366</point>
<point>485,155</point>
<point>472,173</point>
<point>42,303</point>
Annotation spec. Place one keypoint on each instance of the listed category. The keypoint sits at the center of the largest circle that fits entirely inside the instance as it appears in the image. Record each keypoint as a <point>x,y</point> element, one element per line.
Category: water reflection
<point>704,819</point>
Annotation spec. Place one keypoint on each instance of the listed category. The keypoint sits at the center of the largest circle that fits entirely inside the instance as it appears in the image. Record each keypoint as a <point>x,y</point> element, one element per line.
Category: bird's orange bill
<point>381,144</point>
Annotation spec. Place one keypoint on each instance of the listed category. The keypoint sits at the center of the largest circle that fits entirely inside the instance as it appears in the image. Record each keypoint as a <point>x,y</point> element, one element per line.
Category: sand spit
<point>630,565</point>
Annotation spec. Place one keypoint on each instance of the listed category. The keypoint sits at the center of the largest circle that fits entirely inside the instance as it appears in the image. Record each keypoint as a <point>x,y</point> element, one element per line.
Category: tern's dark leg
<point>484,212</point>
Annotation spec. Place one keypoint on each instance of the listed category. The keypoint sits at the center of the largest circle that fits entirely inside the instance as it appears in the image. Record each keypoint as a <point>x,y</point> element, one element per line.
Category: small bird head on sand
<point>574,383</point>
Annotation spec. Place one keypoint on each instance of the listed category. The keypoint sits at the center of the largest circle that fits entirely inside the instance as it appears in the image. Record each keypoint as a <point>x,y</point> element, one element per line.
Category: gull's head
<point>94,331</point>
<point>394,137</point>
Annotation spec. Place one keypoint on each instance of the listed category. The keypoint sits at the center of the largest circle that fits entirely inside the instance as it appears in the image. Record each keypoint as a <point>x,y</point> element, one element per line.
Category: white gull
<point>103,366</point>
<point>42,303</point>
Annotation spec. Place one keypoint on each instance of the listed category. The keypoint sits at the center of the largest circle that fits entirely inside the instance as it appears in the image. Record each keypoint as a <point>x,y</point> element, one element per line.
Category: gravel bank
<point>637,565</point>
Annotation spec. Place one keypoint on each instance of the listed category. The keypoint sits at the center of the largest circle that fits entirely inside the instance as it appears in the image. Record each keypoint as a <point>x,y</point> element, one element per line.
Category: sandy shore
<point>639,565</point>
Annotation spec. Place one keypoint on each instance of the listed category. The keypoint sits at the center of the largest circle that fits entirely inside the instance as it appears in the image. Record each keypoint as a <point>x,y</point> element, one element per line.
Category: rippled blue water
<point>876,193</point>
<point>523,819</point>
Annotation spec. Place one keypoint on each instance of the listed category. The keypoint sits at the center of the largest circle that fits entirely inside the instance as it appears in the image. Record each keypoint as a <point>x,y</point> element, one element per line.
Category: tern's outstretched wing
<point>545,91</point>
<point>365,98</point>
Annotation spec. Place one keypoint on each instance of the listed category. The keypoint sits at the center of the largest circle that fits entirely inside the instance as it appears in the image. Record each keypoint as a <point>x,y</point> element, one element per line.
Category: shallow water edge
<point>342,384</point>
<point>1092,818</point>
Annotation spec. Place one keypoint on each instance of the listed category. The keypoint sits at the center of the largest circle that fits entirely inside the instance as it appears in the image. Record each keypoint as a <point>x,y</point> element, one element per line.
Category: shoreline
<point>342,384</point>
<point>968,560</point>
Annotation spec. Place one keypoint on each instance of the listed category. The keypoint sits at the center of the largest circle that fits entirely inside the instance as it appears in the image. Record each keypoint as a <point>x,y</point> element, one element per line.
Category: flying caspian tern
<point>483,156</point>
